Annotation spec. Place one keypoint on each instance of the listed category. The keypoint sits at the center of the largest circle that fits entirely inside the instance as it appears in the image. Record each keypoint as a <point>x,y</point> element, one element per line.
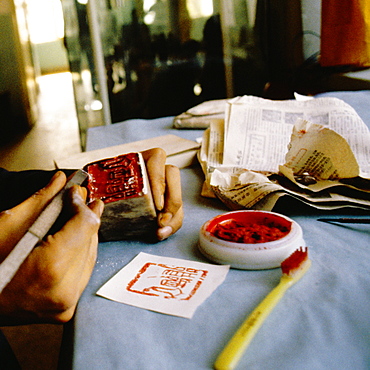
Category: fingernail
<point>161,203</point>
<point>81,191</point>
<point>56,176</point>
<point>101,207</point>
<point>164,232</point>
<point>77,193</point>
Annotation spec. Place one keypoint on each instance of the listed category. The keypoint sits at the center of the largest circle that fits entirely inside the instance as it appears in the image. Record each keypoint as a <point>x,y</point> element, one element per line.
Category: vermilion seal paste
<point>249,233</point>
<point>116,178</point>
<point>122,184</point>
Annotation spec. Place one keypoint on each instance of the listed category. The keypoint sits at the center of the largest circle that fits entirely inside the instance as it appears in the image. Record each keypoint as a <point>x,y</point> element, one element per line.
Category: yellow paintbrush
<point>293,268</point>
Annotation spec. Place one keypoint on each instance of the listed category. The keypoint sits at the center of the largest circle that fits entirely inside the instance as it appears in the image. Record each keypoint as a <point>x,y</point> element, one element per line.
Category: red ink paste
<point>249,233</point>
<point>294,261</point>
<point>116,178</point>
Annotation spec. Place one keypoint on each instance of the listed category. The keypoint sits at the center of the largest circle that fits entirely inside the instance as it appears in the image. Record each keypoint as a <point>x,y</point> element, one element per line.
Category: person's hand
<point>48,284</point>
<point>165,183</point>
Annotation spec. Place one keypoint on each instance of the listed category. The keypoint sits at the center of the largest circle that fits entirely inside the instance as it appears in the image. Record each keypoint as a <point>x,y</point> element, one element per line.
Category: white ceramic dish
<point>251,256</point>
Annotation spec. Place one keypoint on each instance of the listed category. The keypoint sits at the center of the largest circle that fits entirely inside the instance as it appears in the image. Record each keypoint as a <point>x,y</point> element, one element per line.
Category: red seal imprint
<point>168,282</point>
<point>115,178</point>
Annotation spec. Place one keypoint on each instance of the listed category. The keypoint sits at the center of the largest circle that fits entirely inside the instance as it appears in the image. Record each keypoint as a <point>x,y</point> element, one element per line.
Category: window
<point>45,20</point>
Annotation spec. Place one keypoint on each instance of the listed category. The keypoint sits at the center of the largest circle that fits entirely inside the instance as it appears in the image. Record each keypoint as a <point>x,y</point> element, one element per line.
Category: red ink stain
<point>166,281</point>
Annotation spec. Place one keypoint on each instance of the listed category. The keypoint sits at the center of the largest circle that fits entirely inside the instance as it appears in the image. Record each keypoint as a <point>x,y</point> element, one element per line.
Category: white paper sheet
<point>168,285</point>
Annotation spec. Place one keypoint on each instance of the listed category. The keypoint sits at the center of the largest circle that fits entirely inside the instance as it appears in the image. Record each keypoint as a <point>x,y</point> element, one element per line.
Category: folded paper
<point>180,152</point>
<point>202,115</point>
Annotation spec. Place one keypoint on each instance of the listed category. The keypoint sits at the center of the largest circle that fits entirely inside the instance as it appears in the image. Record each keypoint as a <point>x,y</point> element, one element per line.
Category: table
<point>323,322</point>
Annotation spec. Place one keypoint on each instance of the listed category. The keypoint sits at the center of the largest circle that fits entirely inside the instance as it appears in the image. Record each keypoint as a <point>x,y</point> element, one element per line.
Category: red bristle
<point>294,261</point>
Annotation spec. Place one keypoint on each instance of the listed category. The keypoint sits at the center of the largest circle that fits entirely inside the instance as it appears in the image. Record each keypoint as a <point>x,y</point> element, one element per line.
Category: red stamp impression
<point>168,282</point>
<point>167,285</point>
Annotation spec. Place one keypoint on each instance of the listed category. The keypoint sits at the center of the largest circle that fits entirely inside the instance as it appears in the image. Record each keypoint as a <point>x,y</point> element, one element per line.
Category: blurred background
<point>153,58</point>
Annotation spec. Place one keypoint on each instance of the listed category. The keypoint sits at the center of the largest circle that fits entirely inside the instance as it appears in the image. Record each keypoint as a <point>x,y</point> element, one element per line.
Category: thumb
<point>16,221</point>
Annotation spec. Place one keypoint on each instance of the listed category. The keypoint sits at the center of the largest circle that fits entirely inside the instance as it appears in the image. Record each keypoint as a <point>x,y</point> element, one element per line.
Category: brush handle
<point>11,264</point>
<point>231,354</point>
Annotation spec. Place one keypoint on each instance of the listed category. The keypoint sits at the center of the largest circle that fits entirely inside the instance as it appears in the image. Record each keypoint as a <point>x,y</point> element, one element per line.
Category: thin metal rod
<point>346,220</point>
<point>99,59</point>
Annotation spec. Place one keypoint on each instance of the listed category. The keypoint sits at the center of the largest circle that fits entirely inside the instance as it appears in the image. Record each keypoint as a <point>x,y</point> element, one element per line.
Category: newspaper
<point>316,150</point>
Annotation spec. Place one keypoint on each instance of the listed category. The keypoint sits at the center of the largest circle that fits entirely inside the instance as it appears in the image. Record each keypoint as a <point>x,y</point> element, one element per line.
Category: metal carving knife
<point>36,232</point>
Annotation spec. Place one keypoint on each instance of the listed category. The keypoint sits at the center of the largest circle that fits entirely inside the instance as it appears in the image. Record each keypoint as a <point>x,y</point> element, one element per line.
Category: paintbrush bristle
<point>295,262</point>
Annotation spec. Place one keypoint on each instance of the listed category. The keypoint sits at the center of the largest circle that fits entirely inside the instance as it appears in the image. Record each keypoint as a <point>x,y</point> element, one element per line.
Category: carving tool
<point>36,232</point>
<point>346,220</point>
<point>293,268</point>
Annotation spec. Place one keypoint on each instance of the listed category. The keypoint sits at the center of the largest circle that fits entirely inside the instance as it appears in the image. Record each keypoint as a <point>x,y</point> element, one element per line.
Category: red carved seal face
<point>115,178</point>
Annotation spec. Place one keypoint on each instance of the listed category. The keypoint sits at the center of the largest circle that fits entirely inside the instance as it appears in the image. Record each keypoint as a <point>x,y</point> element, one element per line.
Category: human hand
<point>165,183</point>
<point>47,286</point>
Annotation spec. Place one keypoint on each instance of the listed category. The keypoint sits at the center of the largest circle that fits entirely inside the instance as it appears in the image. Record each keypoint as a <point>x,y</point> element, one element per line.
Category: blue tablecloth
<point>323,322</point>
<point>134,130</point>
